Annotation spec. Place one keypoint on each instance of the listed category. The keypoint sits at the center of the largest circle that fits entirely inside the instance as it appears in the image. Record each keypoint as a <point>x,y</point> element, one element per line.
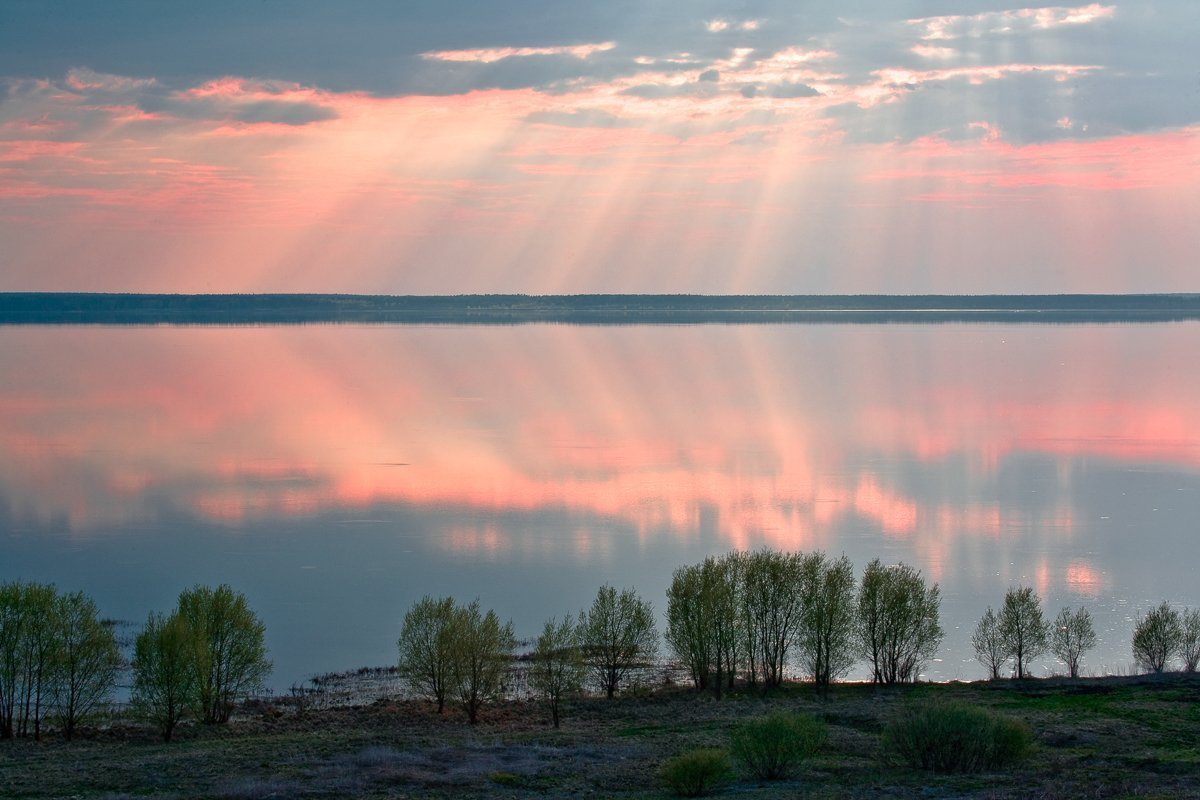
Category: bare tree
<point>163,675</point>
<point>826,638</point>
<point>88,661</point>
<point>898,625</point>
<point>988,641</point>
<point>1026,634</point>
<point>1189,643</point>
<point>557,669</point>
<point>1072,636</point>
<point>426,643</point>
<point>482,651</point>
<point>617,633</point>
<point>1157,637</point>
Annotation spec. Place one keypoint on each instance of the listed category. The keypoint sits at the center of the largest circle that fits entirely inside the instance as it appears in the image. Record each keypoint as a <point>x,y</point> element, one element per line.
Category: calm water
<point>337,474</point>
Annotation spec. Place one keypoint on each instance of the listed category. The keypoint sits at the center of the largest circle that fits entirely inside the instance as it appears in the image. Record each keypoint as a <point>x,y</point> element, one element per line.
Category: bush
<point>697,772</point>
<point>773,746</point>
<point>956,737</point>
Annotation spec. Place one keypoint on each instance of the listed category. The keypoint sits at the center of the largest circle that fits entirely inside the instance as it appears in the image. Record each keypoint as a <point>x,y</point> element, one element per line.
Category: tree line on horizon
<point>743,620</point>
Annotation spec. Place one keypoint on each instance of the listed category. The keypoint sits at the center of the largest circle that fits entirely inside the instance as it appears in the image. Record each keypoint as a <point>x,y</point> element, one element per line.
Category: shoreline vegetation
<point>52,308</point>
<point>728,718</point>
<point>1106,737</point>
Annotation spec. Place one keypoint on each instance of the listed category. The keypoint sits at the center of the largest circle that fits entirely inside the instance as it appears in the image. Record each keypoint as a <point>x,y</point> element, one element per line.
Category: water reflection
<point>338,473</point>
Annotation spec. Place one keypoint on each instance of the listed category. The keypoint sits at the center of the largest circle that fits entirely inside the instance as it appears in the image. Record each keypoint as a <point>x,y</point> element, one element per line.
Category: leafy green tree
<point>826,640</point>
<point>898,625</point>
<point>88,661</point>
<point>1157,638</point>
<point>617,634</point>
<point>482,653</point>
<point>1189,643</point>
<point>1071,637</point>
<point>13,619</point>
<point>557,669</point>
<point>703,621</point>
<point>30,638</point>
<point>1025,632</point>
<point>228,656</point>
<point>426,645</point>
<point>163,674</point>
<point>772,610</point>
<point>988,641</point>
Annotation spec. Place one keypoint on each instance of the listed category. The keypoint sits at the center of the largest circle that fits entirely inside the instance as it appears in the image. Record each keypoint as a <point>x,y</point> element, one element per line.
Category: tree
<point>988,641</point>
<point>88,661</point>
<point>1189,643</point>
<point>1072,636</point>
<point>557,668</point>
<point>771,606</point>
<point>228,657</point>
<point>1157,638</point>
<point>163,673</point>
<point>617,634</point>
<point>703,620</point>
<point>426,642</point>
<point>481,654</point>
<point>897,621</point>
<point>1025,632</point>
<point>30,638</point>
<point>826,638</point>
<point>13,617</point>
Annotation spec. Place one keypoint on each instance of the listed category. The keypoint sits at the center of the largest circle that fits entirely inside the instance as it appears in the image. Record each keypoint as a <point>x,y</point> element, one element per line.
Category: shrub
<point>697,772</point>
<point>773,746</point>
<point>956,737</point>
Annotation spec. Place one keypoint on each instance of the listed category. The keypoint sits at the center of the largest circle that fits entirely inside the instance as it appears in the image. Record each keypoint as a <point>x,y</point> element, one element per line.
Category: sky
<point>546,146</point>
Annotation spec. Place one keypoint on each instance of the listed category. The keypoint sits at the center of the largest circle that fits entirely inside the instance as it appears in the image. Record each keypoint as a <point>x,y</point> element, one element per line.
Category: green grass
<point>1110,738</point>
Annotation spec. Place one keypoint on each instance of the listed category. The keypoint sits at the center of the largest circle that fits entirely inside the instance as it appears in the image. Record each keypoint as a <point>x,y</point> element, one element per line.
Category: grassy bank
<point>1095,738</point>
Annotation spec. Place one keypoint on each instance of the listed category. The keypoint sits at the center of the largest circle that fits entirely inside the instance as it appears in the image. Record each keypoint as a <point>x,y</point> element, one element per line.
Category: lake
<point>335,474</point>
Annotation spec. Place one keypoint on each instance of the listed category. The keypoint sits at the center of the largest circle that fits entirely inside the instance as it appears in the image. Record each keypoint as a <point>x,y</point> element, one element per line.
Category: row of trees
<point>1019,633</point>
<point>59,661</point>
<point>747,615</point>
<point>450,652</point>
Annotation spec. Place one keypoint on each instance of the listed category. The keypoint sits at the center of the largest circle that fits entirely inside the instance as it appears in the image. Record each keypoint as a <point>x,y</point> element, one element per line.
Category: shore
<point>1095,738</point>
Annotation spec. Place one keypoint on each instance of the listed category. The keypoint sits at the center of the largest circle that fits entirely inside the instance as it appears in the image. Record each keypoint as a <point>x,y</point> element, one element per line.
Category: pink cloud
<point>487,55</point>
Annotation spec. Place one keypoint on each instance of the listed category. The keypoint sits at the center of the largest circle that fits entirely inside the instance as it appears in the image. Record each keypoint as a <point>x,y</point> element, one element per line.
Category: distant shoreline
<point>44,308</point>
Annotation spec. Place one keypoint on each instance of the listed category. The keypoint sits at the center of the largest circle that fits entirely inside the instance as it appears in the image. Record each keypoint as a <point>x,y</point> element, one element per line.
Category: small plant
<point>773,746</point>
<point>697,772</point>
<point>956,737</point>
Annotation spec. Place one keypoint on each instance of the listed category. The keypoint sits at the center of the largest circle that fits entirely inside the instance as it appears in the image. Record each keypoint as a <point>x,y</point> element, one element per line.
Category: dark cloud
<point>578,118</point>
<point>709,75</point>
<point>791,90</point>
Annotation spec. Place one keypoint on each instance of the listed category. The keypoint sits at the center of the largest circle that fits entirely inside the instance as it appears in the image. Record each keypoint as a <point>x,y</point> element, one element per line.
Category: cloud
<point>579,118</point>
<point>487,55</point>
